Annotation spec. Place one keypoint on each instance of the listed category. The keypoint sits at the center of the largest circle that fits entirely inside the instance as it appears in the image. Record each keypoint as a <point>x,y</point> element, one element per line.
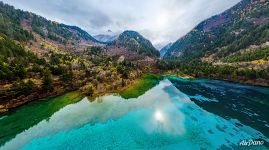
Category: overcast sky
<point>161,21</point>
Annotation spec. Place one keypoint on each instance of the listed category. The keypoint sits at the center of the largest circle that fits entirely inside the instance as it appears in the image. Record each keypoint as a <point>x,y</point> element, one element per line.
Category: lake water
<point>176,113</point>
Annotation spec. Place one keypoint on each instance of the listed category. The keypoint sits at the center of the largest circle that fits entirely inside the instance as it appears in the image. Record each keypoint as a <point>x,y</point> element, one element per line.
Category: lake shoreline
<point>254,82</point>
<point>71,118</point>
<point>15,103</point>
<point>35,96</point>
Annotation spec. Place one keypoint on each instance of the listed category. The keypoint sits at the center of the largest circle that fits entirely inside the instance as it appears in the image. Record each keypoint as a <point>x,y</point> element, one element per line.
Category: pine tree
<point>47,80</point>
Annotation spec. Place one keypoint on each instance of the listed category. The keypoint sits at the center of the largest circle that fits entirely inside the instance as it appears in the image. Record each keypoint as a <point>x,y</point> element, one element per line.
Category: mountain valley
<point>41,58</point>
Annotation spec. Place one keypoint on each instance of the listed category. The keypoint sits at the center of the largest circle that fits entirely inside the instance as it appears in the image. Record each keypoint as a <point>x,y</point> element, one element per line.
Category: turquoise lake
<point>175,114</point>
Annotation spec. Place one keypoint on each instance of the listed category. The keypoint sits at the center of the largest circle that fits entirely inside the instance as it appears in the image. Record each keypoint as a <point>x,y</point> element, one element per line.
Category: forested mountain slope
<point>133,41</point>
<point>244,25</point>
<point>40,58</point>
<point>164,50</point>
<point>231,46</point>
<point>15,23</point>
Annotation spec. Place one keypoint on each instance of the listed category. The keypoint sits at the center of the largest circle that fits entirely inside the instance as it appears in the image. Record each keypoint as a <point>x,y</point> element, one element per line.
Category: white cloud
<point>161,21</point>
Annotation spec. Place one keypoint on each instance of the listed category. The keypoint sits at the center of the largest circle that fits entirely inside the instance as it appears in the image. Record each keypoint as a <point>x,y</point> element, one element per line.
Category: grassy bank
<point>140,86</point>
<point>42,109</point>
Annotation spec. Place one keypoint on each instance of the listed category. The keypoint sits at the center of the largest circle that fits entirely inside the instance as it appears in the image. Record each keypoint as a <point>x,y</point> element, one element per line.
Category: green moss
<point>147,82</point>
<point>22,118</point>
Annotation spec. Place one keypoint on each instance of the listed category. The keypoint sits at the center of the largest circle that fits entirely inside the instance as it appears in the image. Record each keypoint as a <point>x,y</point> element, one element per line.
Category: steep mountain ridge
<point>165,49</point>
<point>105,38</point>
<point>233,46</point>
<point>80,33</point>
<point>135,42</point>
<point>41,58</point>
<point>237,28</point>
<point>24,26</point>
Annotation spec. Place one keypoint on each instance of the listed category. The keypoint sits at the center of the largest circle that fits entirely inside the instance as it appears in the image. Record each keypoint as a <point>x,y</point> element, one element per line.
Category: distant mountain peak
<point>80,32</point>
<point>165,48</point>
<point>131,34</point>
<point>105,38</point>
<point>134,41</point>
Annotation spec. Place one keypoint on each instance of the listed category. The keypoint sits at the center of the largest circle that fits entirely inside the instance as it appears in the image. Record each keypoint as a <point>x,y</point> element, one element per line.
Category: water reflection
<point>163,117</point>
<point>159,116</point>
<point>31,114</point>
<point>248,104</point>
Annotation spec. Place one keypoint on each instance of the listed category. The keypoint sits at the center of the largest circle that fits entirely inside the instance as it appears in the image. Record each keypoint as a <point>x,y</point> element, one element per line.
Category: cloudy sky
<point>161,21</point>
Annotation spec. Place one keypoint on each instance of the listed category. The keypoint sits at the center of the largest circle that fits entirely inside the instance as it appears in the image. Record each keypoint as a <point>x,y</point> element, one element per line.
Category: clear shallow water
<point>163,118</point>
<point>248,104</point>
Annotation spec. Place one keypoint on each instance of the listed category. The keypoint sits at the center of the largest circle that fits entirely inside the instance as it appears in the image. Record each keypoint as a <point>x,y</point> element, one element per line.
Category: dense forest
<point>200,69</point>
<point>243,25</point>
<point>10,26</point>
<point>24,76</point>
<point>232,45</point>
<point>133,41</point>
<point>36,60</point>
<point>249,56</point>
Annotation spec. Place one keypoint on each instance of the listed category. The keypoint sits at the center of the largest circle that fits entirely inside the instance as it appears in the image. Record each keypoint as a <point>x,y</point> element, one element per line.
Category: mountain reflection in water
<point>173,114</point>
